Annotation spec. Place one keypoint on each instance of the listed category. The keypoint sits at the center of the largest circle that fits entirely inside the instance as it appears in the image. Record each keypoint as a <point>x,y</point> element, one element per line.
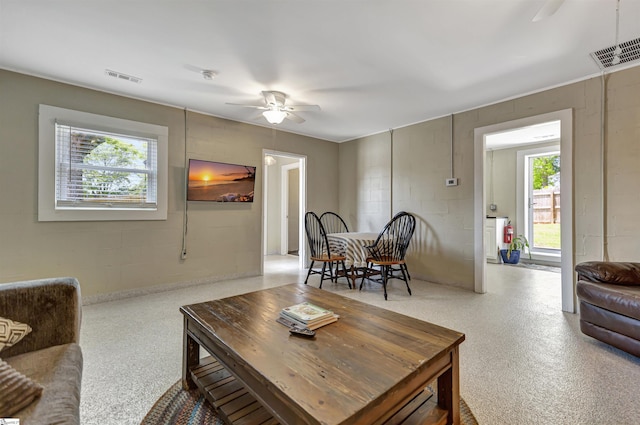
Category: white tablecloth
<point>352,246</point>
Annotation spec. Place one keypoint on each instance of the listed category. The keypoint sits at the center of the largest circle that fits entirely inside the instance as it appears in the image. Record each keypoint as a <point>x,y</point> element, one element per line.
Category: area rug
<point>180,407</point>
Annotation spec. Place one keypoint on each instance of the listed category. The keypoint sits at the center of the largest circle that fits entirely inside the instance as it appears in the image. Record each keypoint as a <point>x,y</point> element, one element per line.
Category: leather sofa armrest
<point>616,273</point>
<point>52,307</point>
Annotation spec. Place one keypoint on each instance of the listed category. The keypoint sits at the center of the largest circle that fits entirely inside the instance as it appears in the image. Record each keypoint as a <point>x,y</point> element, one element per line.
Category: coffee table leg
<point>190,358</point>
<point>449,389</point>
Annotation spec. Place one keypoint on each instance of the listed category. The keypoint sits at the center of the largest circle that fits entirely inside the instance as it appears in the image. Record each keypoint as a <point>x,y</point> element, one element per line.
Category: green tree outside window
<point>546,171</point>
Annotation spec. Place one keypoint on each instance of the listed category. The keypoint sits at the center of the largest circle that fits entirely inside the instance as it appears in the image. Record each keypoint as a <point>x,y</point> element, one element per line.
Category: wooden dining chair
<point>333,223</point>
<point>389,250</point>
<point>321,251</point>
<point>404,264</point>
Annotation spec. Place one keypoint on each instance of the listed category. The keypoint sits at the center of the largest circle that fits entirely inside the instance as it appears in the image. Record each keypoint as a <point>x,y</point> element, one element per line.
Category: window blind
<point>98,169</point>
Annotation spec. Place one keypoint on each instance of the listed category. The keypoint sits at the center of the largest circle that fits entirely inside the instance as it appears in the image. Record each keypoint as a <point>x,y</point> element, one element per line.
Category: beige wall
<point>223,240</point>
<point>442,249</point>
<point>365,182</point>
<point>376,180</point>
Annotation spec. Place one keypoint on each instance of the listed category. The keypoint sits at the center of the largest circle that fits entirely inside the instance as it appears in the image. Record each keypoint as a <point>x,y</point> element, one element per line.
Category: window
<point>94,167</point>
<point>102,170</point>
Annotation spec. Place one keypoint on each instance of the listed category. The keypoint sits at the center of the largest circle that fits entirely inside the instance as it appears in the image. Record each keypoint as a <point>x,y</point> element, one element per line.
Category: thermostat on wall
<point>452,181</point>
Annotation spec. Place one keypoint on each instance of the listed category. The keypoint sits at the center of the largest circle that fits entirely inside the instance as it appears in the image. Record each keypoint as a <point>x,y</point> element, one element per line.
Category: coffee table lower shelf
<point>236,406</point>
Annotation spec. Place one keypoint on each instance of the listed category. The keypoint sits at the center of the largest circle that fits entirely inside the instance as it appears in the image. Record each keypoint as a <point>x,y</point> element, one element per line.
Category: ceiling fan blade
<point>290,108</point>
<point>549,8</point>
<point>247,106</point>
<point>295,118</point>
<point>269,98</point>
<point>257,117</point>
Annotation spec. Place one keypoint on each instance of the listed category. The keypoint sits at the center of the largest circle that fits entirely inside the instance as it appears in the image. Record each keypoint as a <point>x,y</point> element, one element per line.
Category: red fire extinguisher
<point>508,233</point>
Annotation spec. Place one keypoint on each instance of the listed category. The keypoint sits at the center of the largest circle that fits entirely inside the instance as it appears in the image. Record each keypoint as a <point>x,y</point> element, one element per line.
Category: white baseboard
<point>130,293</point>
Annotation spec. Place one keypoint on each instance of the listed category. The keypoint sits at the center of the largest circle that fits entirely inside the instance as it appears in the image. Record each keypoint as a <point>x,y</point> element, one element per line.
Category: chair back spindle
<point>393,241</point>
<point>320,250</point>
<point>333,223</point>
<point>316,235</point>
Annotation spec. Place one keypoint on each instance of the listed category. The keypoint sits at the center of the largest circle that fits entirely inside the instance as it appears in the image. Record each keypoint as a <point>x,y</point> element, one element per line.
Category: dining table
<point>353,246</point>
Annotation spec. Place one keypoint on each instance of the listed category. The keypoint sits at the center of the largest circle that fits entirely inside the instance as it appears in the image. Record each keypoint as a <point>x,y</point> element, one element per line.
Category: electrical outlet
<point>451,182</point>
<point>493,207</point>
<point>183,254</point>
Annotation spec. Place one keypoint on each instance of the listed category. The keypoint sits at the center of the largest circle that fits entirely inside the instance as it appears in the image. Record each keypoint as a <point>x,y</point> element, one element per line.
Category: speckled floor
<point>524,361</point>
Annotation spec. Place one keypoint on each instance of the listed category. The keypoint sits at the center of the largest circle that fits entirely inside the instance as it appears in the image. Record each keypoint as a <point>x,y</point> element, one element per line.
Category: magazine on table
<point>307,315</point>
<point>290,322</point>
<point>306,312</point>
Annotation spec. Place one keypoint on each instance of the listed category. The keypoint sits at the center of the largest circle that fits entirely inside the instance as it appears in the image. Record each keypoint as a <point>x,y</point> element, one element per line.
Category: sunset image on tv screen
<point>220,182</point>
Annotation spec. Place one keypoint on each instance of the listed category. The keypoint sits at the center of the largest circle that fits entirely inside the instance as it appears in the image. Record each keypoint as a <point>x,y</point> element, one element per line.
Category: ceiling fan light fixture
<point>274,116</point>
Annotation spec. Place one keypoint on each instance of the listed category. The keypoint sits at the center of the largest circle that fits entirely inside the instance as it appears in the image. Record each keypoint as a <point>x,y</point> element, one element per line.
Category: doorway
<point>284,202</point>
<point>565,119</point>
<point>539,200</point>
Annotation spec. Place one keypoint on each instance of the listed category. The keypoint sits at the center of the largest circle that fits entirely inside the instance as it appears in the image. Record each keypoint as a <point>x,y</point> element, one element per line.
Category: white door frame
<point>302,162</point>
<point>284,219</point>
<point>566,200</point>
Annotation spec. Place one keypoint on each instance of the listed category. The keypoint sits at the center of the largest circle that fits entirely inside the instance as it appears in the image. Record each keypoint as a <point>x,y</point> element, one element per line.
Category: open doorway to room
<point>504,158</point>
<point>284,203</point>
<point>523,190</point>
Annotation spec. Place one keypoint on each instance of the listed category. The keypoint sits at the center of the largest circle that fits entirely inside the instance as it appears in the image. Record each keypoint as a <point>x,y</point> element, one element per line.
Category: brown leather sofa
<point>609,295</point>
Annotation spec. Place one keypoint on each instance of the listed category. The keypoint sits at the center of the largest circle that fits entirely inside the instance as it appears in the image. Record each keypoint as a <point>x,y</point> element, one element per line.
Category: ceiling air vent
<point>121,76</point>
<point>626,52</point>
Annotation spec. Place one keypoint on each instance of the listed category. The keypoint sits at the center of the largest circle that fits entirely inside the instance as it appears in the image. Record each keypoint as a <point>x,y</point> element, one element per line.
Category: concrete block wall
<point>369,179</point>
<point>223,240</point>
<point>622,153</point>
<point>365,183</point>
<point>442,250</point>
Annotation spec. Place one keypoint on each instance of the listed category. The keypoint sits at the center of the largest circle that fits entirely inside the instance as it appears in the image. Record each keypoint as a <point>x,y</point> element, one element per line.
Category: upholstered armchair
<point>47,357</point>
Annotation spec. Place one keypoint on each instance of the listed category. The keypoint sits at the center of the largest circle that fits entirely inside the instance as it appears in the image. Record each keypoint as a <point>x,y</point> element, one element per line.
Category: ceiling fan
<point>275,110</point>
<point>549,8</point>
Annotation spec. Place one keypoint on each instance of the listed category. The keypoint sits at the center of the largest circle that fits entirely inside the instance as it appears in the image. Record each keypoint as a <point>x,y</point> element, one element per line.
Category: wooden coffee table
<point>369,367</point>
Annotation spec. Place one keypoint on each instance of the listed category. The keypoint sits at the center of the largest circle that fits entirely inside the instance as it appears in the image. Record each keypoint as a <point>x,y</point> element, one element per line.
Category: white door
<point>541,198</point>
<point>293,211</point>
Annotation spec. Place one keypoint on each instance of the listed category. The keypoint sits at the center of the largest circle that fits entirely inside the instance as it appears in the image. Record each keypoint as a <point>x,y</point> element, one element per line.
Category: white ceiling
<point>371,65</point>
<point>539,133</point>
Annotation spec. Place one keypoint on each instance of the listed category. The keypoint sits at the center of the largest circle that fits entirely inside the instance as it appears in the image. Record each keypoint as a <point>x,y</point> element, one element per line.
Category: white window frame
<point>47,210</point>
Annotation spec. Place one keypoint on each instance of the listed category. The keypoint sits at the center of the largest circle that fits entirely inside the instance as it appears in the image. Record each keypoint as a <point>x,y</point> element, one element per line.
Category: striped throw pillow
<point>17,390</point>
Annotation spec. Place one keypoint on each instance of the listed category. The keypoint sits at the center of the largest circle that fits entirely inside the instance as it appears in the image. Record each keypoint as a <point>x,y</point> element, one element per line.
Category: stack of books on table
<point>306,315</point>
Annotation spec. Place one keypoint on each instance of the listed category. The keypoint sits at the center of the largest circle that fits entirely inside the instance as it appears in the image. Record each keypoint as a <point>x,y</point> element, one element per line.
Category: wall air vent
<point>121,76</point>
<point>613,56</point>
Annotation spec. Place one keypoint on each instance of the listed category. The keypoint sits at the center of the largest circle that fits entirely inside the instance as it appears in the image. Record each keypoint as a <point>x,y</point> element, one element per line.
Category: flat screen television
<point>220,182</point>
